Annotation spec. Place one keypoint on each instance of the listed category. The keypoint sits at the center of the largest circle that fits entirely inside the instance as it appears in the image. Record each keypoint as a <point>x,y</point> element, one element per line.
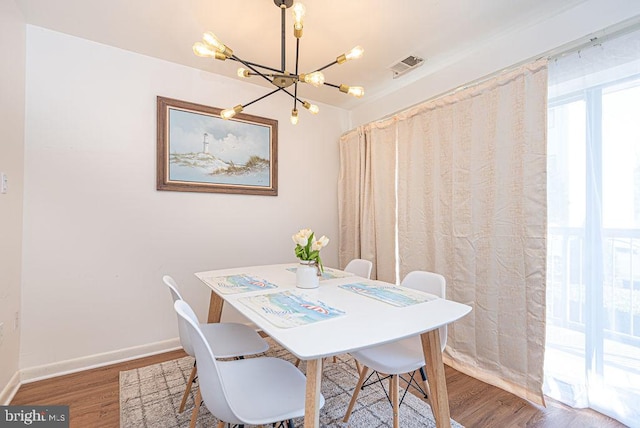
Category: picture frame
<point>198,151</point>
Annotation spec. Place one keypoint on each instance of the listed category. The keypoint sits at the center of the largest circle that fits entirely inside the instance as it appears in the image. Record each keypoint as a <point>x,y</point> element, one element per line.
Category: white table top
<point>367,321</point>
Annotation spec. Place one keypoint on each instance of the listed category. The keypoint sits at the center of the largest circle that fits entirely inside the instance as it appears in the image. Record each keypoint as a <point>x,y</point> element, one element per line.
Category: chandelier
<point>282,79</point>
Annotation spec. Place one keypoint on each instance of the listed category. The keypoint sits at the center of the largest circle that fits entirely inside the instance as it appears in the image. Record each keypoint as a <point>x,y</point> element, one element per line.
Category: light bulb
<point>210,39</point>
<point>297,11</point>
<point>316,78</point>
<point>243,72</point>
<point>352,54</point>
<point>356,91</point>
<point>313,109</point>
<point>294,117</point>
<point>230,112</point>
<point>203,50</point>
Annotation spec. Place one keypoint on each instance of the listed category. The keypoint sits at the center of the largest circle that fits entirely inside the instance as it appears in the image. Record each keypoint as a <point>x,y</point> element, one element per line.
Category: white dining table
<point>366,322</point>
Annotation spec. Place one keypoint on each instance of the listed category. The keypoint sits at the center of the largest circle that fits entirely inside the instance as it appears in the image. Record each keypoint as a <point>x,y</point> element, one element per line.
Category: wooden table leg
<point>215,308</point>
<point>312,397</point>
<point>394,389</point>
<point>439,398</point>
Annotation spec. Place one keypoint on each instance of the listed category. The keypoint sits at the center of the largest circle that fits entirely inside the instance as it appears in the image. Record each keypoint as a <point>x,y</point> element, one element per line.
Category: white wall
<point>12,69</point>
<point>98,236</point>
<point>578,23</point>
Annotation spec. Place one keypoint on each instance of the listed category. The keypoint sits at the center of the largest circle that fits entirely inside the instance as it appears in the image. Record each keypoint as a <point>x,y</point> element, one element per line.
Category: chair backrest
<point>359,267</point>
<point>432,283</point>
<point>185,339</point>
<point>209,379</point>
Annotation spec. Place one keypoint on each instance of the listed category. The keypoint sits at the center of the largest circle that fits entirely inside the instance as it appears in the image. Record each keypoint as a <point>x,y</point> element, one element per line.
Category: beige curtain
<point>366,198</point>
<point>472,206</point>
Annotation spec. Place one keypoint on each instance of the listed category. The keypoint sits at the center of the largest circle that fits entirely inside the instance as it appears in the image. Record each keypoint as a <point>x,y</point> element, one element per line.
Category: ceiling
<point>389,31</point>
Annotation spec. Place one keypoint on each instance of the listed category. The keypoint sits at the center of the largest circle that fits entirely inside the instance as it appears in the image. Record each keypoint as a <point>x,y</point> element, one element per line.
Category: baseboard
<point>10,389</point>
<point>33,374</point>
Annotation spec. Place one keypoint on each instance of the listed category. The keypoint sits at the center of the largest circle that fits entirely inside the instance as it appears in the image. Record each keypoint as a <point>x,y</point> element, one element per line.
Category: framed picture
<point>200,152</point>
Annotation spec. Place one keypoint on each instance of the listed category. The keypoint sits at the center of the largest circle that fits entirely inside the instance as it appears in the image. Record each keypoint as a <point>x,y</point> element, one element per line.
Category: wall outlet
<point>16,321</point>
<point>4,182</point>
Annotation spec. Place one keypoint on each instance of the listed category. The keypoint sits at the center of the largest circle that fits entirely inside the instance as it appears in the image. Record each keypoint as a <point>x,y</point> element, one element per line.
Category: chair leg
<point>188,388</point>
<point>394,390</point>
<point>427,391</point>
<point>358,366</point>
<point>297,362</point>
<point>220,424</point>
<point>363,376</point>
<point>196,408</point>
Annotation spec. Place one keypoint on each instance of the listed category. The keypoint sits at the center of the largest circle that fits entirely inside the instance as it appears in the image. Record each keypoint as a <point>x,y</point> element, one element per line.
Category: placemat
<point>242,283</point>
<point>288,309</point>
<point>391,294</point>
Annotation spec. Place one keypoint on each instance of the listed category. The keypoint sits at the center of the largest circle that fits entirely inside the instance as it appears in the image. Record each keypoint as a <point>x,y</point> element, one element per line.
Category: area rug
<point>150,397</point>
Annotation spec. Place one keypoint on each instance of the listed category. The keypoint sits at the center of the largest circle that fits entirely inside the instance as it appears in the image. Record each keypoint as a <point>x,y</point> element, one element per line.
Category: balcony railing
<point>620,291</point>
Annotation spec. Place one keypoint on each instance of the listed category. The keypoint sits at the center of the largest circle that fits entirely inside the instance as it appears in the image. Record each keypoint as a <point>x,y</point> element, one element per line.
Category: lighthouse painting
<point>200,152</point>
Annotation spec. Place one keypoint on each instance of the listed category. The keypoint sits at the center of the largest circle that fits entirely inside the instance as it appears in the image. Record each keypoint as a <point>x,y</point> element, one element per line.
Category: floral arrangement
<point>307,248</point>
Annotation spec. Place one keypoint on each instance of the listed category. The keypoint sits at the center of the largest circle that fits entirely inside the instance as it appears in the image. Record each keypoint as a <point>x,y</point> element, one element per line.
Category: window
<point>593,276</point>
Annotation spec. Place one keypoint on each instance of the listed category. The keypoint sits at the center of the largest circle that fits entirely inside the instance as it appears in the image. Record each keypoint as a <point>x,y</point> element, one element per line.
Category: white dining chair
<point>228,340</point>
<point>252,391</point>
<point>403,356</point>
<point>360,267</point>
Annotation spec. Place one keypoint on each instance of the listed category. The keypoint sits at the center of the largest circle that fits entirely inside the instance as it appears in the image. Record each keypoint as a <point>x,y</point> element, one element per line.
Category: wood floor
<point>92,397</point>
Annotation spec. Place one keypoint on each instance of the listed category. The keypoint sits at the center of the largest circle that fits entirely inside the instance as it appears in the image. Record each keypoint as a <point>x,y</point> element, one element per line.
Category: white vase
<point>307,275</point>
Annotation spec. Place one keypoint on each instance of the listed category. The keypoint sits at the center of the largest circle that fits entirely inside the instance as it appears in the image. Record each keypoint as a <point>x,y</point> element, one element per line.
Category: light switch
<point>3,183</point>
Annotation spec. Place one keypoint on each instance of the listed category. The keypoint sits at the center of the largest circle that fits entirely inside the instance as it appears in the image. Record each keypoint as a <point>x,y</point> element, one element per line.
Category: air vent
<point>406,65</point>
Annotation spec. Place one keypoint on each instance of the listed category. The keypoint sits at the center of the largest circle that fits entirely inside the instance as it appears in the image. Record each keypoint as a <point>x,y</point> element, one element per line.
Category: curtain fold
<point>350,195</point>
<point>366,198</point>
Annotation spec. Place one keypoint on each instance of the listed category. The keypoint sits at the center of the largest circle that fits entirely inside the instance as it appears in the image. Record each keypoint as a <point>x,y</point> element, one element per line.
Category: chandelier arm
<point>327,66</point>
<point>262,97</point>
<point>297,54</point>
<point>273,92</point>
<point>295,95</point>
<point>247,63</point>
<point>272,75</point>
<point>283,49</point>
<point>292,96</point>
<point>295,89</point>
<point>258,72</point>
<point>332,85</point>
